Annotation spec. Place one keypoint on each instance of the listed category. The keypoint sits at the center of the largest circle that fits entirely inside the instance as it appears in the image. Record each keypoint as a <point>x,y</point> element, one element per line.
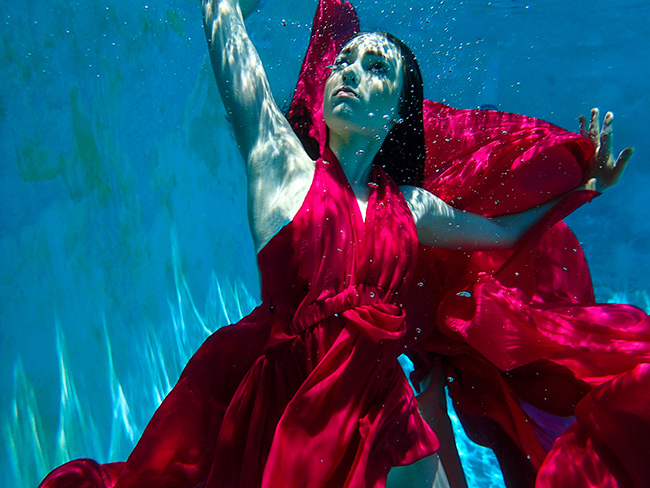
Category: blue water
<point>123,235</point>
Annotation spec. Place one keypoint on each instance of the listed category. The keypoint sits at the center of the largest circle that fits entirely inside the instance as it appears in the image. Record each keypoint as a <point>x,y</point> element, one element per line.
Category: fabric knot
<point>360,303</point>
<point>382,321</point>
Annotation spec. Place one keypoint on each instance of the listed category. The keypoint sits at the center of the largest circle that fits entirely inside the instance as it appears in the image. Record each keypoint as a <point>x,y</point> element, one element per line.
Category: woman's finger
<point>624,158</point>
<point>594,129</point>
<point>616,170</point>
<point>606,136</point>
<point>582,124</point>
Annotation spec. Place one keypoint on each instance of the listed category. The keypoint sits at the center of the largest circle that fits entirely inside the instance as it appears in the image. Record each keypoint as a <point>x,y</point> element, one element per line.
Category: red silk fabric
<point>306,391</point>
<point>553,381</point>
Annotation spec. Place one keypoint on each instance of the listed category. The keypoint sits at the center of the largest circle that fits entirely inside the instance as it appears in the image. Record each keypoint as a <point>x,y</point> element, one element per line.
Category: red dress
<point>306,391</point>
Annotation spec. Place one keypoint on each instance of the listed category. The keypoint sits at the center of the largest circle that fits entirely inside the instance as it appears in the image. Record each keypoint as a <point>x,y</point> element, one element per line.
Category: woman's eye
<point>378,68</point>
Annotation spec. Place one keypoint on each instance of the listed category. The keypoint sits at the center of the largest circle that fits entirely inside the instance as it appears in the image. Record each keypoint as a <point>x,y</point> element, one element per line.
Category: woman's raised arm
<point>279,170</point>
<point>240,75</point>
<point>440,225</point>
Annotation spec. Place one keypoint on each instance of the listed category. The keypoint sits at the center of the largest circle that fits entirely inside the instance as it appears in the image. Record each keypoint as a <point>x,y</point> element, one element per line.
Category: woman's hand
<point>603,170</point>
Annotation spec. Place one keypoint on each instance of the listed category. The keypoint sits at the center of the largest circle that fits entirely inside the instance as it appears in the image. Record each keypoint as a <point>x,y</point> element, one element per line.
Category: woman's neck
<point>355,154</point>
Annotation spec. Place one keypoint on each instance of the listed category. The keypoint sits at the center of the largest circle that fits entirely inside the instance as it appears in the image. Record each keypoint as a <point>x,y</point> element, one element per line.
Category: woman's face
<point>362,93</point>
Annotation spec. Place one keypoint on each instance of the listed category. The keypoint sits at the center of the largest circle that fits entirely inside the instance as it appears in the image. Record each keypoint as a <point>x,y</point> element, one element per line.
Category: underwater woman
<point>307,391</point>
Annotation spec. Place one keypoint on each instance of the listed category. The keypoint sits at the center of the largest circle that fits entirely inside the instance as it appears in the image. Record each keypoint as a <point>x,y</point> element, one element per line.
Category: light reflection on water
<point>164,351</point>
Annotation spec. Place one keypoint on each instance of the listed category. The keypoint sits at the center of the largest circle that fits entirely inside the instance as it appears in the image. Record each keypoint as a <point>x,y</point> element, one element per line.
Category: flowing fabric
<point>306,391</point>
<point>555,383</point>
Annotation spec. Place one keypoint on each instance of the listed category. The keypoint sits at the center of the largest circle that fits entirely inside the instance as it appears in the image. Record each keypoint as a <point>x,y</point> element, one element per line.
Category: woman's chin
<point>340,118</point>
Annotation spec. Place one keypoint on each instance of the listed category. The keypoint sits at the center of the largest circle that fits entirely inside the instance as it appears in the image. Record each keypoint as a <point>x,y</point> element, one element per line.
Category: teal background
<point>123,234</point>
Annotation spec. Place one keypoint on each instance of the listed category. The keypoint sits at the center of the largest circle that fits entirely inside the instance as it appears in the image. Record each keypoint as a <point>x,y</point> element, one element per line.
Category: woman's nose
<point>349,74</point>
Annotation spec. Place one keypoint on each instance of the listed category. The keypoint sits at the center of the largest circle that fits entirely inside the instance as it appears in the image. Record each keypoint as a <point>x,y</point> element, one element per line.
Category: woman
<point>307,390</point>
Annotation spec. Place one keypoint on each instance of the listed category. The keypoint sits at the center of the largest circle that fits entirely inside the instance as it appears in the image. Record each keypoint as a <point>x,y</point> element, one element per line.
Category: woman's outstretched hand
<point>603,171</point>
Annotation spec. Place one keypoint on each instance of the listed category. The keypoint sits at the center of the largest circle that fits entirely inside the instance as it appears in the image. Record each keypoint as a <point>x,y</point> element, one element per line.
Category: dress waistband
<point>352,297</point>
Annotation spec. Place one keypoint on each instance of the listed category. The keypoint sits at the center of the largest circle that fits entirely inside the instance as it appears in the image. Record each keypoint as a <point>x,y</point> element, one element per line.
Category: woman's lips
<point>346,91</point>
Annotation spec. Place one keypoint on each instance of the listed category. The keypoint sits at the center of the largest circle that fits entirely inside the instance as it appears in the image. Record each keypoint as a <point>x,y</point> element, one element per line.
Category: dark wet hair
<point>403,153</point>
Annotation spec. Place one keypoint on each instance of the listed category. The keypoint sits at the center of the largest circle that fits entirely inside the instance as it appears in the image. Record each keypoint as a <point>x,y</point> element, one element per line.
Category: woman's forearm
<point>516,225</point>
<point>239,73</point>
